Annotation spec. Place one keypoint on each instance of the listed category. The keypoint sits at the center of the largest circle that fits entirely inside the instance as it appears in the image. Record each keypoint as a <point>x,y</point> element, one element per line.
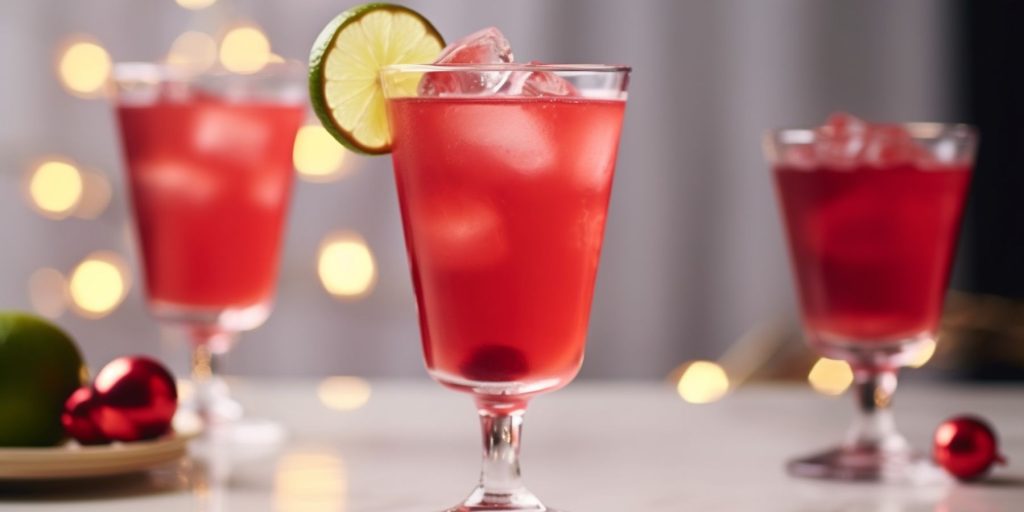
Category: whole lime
<point>40,366</point>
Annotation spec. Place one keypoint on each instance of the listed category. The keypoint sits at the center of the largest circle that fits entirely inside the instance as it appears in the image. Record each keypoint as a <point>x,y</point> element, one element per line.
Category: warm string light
<point>193,52</point>
<point>245,50</point>
<point>195,5</point>
<point>98,284</point>
<point>346,266</point>
<point>344,393</point>
<point>55,188</point>
<point>830,376</point>
<point>48,292</point>
<point>84,67</point>
<point>317,156</point>
<point>924,354</point>
<point>702,382</point>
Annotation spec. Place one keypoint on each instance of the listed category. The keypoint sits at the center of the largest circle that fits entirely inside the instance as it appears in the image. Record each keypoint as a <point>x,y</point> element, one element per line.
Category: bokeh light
<point>924,354</point>
<point>345,265</point>
<point>830,376</point>
<point>99,284</point>
<point>703,382</point>
<point>193,52</point>
<point>55,188</point>
<point>310,481</point>
<point>244,50</point>
<point>195,5</point>
<point>48,292</point>
<point>83,67</point>
<point>96,193</point>
<point>317,156</point>
<point>344,393</point>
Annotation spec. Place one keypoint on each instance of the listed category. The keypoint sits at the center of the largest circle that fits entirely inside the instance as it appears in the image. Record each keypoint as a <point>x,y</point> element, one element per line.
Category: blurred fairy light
<point>703,382</point>
<point>55,188</point>
<point>48,292</point>
<point>830,376</point>
<point>96,193</point>
<point>316,155</point>
<point>193,52</point>
<point>344,393</point>
<point>924,354</point>
<point>195,5</point>
<point>346,265</point>
<point>83,67</point>
<point>310,481</point>
<point>98,284</point>
<point>245,50</point>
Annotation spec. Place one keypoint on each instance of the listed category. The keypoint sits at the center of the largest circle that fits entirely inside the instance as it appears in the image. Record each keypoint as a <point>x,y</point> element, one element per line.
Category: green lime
<point>40,366</point>
<point>344,66</point>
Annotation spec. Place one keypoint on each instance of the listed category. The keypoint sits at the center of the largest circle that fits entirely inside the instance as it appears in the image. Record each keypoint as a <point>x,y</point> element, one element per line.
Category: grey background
<point>693,257</point>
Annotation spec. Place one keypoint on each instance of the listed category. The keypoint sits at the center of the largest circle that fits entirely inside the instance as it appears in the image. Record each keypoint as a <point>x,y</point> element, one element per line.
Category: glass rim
<point>157,71</point>
<point>512,66</point>
<point>917,129</point>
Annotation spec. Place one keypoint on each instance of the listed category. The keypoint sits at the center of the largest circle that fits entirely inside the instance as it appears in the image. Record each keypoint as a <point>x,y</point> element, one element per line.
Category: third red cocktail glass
<point>872,213</point>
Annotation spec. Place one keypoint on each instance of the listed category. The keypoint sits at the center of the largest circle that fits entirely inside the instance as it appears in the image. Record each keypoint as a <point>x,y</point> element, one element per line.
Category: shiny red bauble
<point>967,447</point>
<point>77,418</point>
<point>135,399</point>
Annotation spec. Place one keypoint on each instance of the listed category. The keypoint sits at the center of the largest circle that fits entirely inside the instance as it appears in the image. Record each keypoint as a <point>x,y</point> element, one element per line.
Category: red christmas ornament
<point>77,418</point>
<point>967,447</point>
<point>136,399</point>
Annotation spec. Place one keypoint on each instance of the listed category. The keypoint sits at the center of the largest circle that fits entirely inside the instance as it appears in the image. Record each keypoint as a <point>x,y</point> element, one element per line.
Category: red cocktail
<point>210,182</point>
<point>871,247</point>
<point>504,202</point>
<point>209,167</point>
<point>872,213</point>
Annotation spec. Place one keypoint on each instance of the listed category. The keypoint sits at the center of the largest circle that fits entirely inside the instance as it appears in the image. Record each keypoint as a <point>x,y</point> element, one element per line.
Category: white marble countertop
<point>588,448</point>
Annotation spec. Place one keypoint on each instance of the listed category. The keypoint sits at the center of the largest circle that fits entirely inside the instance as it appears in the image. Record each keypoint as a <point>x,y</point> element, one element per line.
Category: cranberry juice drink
<point>210,182</point>
<point>872,238</point>
<point>503,202</point>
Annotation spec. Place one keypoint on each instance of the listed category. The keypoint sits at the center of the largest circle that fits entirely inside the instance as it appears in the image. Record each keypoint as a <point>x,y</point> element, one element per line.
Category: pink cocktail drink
<point>503,203</point>
<point>871,246</point>
<point>210,182</point>
<point>872,212</point>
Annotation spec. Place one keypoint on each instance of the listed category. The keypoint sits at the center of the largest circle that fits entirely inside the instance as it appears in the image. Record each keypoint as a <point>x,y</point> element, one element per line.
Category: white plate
<point>74,461</point>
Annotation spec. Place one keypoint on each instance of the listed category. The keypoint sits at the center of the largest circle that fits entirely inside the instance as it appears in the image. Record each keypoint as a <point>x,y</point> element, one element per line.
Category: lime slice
<point>344,86</point>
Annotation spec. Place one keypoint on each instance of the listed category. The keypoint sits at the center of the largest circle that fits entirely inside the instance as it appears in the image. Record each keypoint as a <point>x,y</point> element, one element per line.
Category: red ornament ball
<point>136,399</point>
<point>967,447</point>
<point>77,418</point>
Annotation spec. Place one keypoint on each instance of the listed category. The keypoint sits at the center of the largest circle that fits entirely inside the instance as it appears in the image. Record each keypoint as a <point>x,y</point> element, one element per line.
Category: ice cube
<point>538,83</point>
<point>840,141</point>
<point>460,231</point>
<point>512,137</point>
<point>170,181</point>
<point>232,132</point>
<point>487,46</point>
<point>891,145</point>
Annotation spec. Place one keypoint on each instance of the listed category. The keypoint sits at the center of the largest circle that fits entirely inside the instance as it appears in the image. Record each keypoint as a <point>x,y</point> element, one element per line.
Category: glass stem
<point>500,481</point>
<point>875,428</point>
<point>211,400</point>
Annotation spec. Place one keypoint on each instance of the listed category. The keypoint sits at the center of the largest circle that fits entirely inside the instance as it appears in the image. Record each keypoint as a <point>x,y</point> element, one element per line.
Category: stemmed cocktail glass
<point>209,166</point>
<point>872,214</point>
<point>503,202</point>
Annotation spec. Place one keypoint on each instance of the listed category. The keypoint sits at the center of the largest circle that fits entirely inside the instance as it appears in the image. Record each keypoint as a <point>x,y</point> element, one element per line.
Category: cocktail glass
<point>871,246</point>
<point>503,203</point>
<point>209,167</point>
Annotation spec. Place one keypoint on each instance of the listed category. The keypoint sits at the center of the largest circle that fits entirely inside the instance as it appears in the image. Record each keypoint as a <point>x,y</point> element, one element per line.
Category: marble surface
<point>592,447</point>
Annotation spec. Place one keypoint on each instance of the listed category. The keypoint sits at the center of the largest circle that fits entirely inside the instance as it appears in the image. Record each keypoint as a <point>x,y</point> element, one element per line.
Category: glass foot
<point>866,465</point>
<point>512,500</point>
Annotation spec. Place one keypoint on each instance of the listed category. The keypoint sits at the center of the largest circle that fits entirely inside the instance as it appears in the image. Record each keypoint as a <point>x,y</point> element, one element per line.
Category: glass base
<point>852,464</point>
